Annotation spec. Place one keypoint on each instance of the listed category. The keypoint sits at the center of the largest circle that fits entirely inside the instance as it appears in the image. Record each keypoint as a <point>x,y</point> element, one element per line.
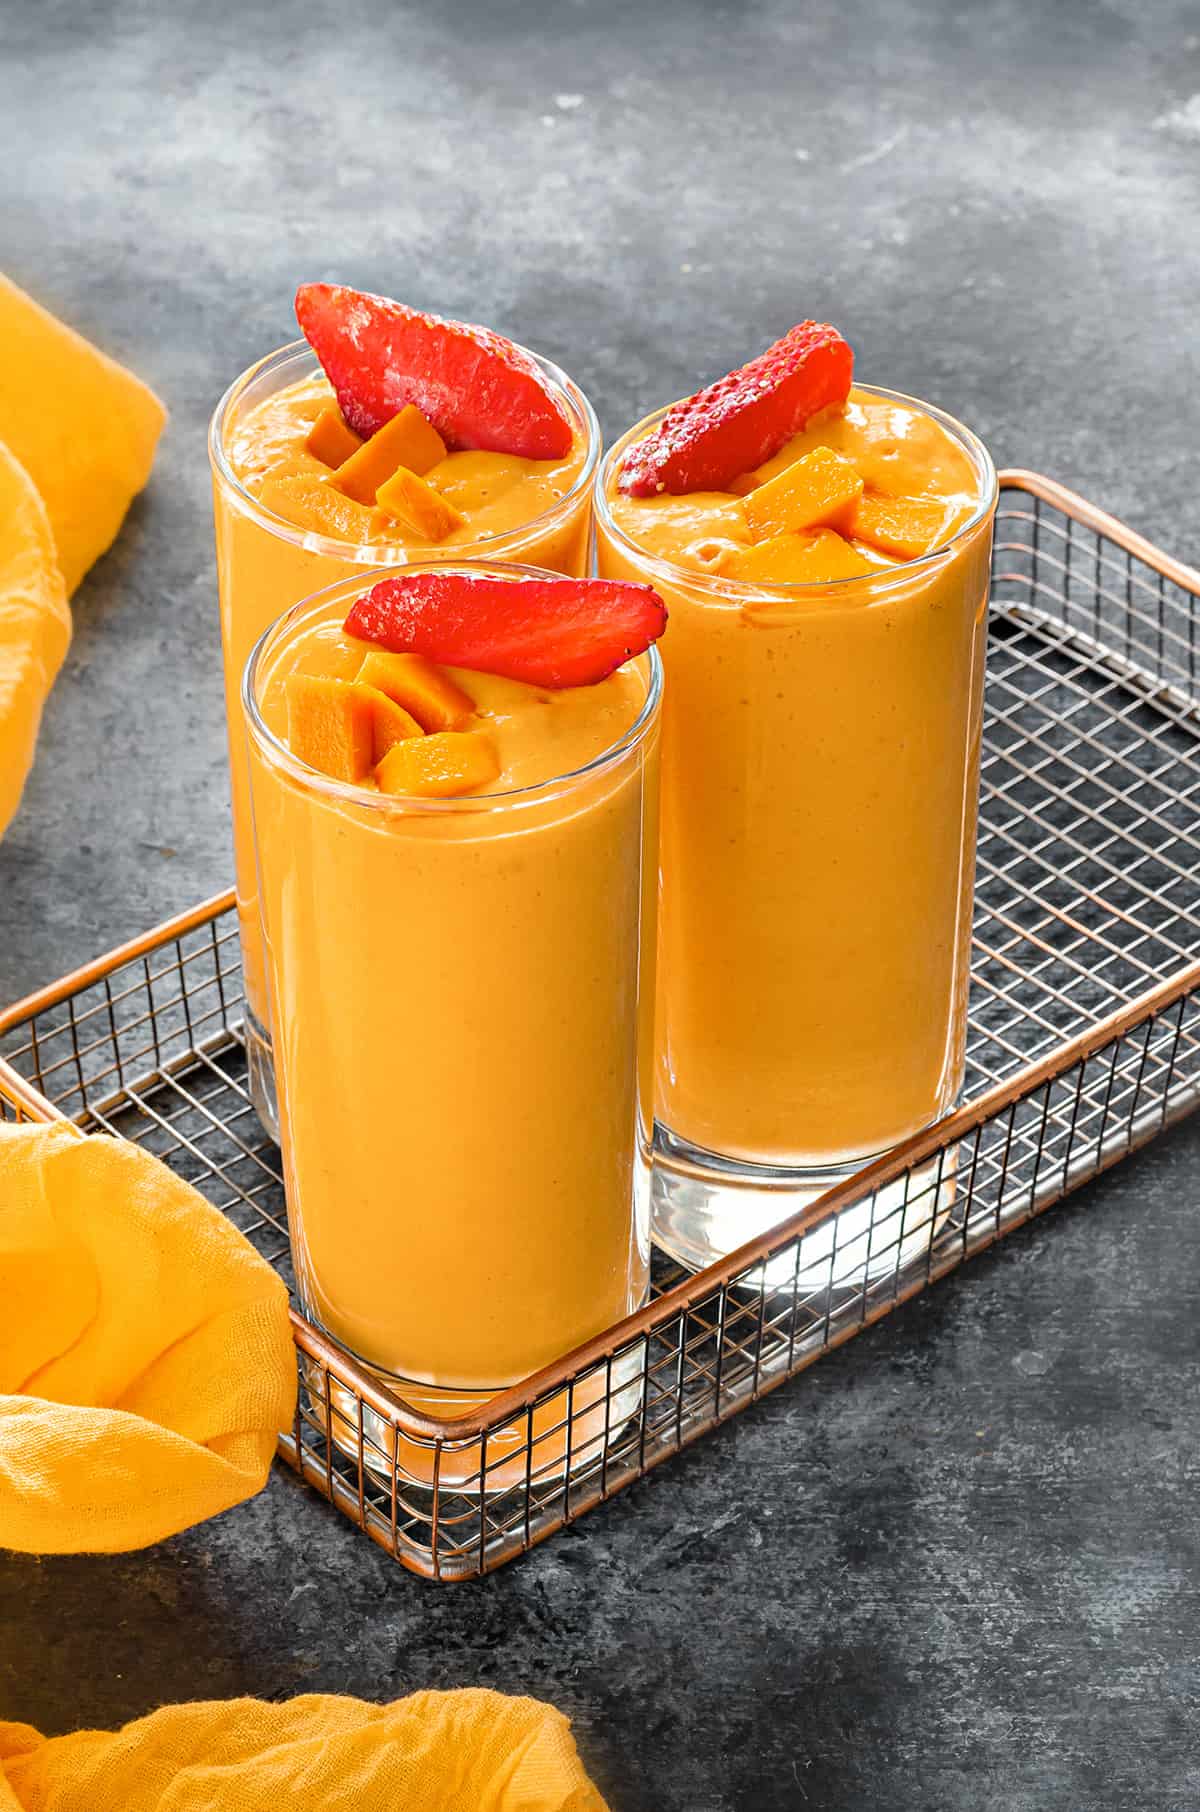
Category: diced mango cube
<point>418,507</point>
<point>392,722</point>
<point>420,686</point>
<point>408,440</point>
<point>905,527</point>
<point>440,766</point>
<point>819,490</point>
<point>310,502</point>
<point>331,726</point>
<point>797,560</point>
<point>331,439</point>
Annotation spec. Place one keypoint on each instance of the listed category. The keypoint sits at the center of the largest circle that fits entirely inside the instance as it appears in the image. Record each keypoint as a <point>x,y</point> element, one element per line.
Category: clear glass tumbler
<point>462,997</point>
<point>819,800</point>
<point>265,563</point>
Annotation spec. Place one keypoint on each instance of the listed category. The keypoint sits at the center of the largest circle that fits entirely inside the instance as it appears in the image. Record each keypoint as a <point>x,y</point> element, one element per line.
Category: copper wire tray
<point>1085,1042</point>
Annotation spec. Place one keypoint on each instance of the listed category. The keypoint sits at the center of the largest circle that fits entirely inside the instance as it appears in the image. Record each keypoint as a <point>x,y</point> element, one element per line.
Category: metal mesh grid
<point>1084,1042</point>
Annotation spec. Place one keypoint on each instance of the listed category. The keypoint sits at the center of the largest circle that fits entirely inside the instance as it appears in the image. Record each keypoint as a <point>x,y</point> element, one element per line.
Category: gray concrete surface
<point>959,1563</point>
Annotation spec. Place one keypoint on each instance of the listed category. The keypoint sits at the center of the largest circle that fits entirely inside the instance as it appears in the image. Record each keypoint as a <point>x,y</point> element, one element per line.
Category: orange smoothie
<point>462,1017</point>
<point>284,529</point>
<point>820,777</point>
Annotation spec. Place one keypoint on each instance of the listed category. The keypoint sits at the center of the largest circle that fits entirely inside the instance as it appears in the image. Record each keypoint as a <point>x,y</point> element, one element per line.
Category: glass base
<point>703,1207</point>
<point>260,1066</point>
<point>563,1435</point>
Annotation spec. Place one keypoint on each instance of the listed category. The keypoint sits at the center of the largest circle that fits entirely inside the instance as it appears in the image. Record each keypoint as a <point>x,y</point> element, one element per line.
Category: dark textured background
<point>958,1564</point>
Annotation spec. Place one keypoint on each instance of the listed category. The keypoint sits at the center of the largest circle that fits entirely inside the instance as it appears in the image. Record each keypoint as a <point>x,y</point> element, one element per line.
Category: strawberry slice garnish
<point>547,632</point>
<point>476,387</point>
<point>741,420</point>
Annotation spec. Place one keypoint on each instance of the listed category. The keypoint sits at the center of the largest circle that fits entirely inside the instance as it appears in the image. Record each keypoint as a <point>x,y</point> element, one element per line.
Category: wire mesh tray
<point>1085,1042</point>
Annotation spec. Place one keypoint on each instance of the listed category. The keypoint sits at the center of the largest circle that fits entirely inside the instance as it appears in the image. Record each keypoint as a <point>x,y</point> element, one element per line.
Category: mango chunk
<point>418,507</point>
<point>440,766</point>
<point>330,439</point>
<point>83,427</point>
<point>797,560</point>
<point>420,686</point>
<point>408,440</point>
<point>331,726</point>
<point>310,502</point>
<point>906,527</point>
<point>819,490</point>
<point>392,722</point>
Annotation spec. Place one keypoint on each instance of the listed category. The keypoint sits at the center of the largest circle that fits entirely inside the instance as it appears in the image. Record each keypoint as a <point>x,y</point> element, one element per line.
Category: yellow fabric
<point>84,428</point>
<point>467,1751</point>
<point>146,1360</point>
<point>77,440</point>
<point>35,625</point>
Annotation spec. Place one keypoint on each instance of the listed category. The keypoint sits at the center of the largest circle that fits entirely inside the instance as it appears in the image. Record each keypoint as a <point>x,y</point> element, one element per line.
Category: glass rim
<point>407,805</point>
<point>389,553</point>
<point>740,591</point>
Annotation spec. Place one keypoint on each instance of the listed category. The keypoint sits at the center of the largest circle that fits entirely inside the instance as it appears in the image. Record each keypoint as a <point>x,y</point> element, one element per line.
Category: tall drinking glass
<point>265,563</point>
<point>819,798</point>
<point>462,1004</point>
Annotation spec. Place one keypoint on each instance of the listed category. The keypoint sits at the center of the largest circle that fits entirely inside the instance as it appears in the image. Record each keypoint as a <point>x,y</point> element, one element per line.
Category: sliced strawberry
<point>548,632</point>
<point>476,387</point>
<point>703,444</point>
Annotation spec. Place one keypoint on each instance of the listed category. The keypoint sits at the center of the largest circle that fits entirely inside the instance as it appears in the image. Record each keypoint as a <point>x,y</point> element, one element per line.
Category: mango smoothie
<point>462,991</point>
<point>292,514</point>
<point>821,738</point>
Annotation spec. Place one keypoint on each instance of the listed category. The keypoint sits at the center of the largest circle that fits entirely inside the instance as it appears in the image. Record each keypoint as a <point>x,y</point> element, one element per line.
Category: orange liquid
<point>820,777</point>
<point>265,563</point>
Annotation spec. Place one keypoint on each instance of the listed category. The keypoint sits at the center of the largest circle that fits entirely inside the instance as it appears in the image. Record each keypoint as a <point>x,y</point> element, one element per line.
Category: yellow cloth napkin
<point>83,427</point>
<point>35,625</point>
<point>146,1360</point>
<point>77,440</point>
<point>466,1751</point>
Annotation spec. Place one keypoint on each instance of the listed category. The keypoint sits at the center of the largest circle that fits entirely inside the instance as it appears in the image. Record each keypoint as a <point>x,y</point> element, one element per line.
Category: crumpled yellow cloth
<point>77,440</point>
<point>466,1751</point>
<point>83,426</point>
<point>35,624</point>
<point>146,1360</point>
